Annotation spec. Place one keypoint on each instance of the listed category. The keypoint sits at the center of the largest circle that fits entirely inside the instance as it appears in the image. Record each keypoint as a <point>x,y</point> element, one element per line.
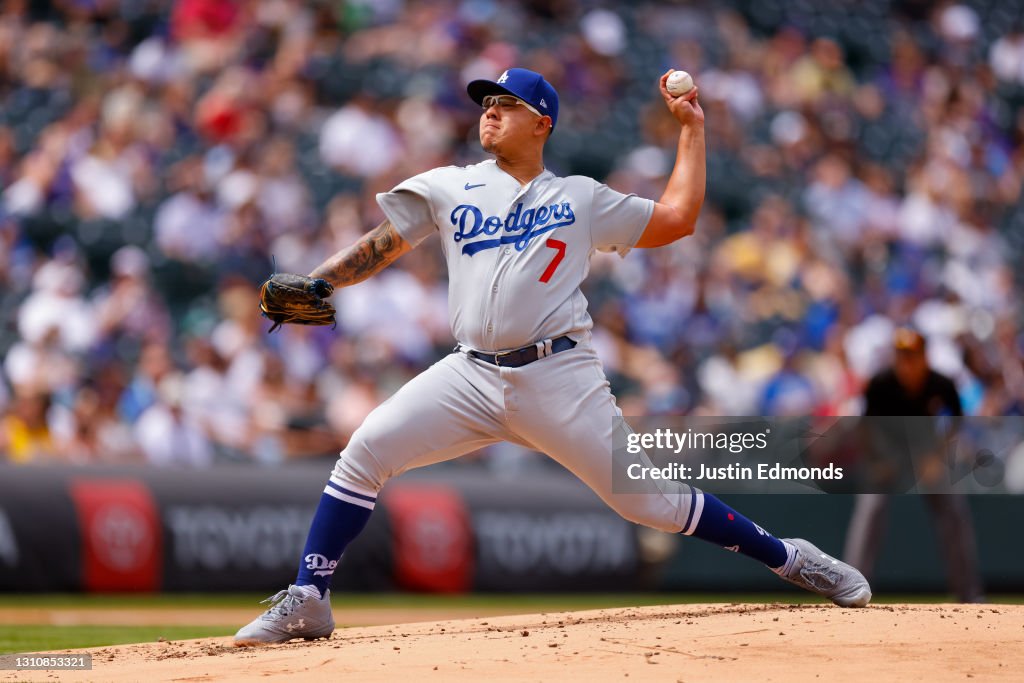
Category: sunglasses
<point>506,101</point>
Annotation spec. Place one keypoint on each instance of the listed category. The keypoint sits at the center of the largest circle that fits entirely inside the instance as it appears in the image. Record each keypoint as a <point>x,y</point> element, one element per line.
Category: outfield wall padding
<point>444,529</point>
<point>243,528</point>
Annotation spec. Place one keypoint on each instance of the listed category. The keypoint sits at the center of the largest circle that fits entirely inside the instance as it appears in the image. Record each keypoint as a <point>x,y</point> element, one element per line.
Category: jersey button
<point>508,251</point>
<point>490,328</point>
<point>494,289</point>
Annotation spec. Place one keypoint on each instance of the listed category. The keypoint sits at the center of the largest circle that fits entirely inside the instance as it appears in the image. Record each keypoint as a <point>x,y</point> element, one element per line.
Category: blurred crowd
<point>158,158</point>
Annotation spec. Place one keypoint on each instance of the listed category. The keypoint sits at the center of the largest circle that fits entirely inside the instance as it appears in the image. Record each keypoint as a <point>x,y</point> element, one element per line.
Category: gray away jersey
<point>516,254</point>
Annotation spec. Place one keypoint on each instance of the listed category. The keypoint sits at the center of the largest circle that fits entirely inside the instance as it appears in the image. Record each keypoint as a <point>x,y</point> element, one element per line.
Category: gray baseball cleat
<point>293,614</point>
<point>825,575</point>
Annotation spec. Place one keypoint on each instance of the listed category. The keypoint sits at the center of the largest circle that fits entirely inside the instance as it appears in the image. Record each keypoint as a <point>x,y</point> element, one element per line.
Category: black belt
<point>524,356</point>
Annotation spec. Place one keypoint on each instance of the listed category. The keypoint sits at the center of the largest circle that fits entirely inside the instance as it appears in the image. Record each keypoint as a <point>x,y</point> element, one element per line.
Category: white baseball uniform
<point>516,257</point>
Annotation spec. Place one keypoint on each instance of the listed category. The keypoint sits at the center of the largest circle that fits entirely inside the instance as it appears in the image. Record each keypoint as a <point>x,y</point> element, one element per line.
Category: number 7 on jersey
<point>559,247</point>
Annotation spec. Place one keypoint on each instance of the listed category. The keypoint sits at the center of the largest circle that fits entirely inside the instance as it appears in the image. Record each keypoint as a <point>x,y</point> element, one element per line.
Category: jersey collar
<point>545,173</point>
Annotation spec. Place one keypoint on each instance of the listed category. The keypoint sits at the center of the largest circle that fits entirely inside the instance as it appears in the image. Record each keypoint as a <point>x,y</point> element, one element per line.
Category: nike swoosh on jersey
<point>470,187</point>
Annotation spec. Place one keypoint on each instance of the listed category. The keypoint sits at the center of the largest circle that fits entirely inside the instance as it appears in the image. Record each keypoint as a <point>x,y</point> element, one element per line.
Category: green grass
<point>129,600</point>
<point>39,638</point>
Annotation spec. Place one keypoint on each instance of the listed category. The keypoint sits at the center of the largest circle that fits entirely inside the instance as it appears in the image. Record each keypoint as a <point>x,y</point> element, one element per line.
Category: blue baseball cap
<point>529,86</point>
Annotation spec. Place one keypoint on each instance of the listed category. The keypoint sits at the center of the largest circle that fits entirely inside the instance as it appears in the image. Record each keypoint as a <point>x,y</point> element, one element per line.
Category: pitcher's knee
<point>359,469</point>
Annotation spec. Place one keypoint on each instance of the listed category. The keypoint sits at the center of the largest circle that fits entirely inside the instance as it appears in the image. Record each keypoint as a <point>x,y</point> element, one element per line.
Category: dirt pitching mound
<point>686,643</point>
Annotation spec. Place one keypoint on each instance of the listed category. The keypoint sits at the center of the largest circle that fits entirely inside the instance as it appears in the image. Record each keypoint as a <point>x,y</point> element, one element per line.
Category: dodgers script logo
<point>324,566</point>
<point>523,226</point>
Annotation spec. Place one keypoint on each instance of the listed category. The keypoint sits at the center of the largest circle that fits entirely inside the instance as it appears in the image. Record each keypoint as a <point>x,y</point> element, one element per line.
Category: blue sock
<point>719,524</point>
<point>339,518</point>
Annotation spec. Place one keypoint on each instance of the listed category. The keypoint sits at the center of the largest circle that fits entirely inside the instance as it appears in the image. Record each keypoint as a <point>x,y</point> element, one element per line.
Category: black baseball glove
<point>296,299</point>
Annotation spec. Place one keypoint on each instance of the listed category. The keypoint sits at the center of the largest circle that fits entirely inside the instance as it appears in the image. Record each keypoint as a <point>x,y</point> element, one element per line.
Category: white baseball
<point>679,83</point>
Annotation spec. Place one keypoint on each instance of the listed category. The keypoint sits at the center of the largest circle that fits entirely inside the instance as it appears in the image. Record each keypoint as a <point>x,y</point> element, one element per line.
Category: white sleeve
<point>617,220</point>
<point>408,208</point>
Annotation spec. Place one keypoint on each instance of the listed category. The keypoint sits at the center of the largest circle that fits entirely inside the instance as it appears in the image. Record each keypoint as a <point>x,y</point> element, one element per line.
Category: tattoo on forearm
<point>368,256</point>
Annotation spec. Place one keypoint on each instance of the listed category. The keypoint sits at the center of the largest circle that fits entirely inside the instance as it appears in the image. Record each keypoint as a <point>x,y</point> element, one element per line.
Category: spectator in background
<point>169,436</point>
<point>281,195</point>
<point>1007,56</point>
<point>129,309</point>
<point>209,31</point>
<point>837,201</point>
<point>57,305</point>
<point>349,134</point>
<point>189,225</point>
<point>211,403</point>
<point>25,432</point>
<point>43,363</point>
<point>154,365</point>
<point>788,391</point>
<point>911,388</point>
<point>90,432</point>
<point>821,73</point>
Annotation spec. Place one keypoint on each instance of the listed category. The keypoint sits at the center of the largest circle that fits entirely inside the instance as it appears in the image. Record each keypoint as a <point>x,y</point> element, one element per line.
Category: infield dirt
<point>683,643</point>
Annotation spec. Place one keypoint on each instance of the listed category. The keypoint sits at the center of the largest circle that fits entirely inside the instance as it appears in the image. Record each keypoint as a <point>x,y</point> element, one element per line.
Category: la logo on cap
<point>543,103</point>
<point>504,77</point>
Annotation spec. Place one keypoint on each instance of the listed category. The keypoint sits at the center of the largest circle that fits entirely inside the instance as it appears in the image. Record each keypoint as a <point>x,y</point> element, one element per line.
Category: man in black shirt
<point>912,388</point>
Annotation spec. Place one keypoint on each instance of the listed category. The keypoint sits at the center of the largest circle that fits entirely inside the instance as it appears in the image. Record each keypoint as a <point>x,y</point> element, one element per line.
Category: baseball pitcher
<point>517,240</point>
